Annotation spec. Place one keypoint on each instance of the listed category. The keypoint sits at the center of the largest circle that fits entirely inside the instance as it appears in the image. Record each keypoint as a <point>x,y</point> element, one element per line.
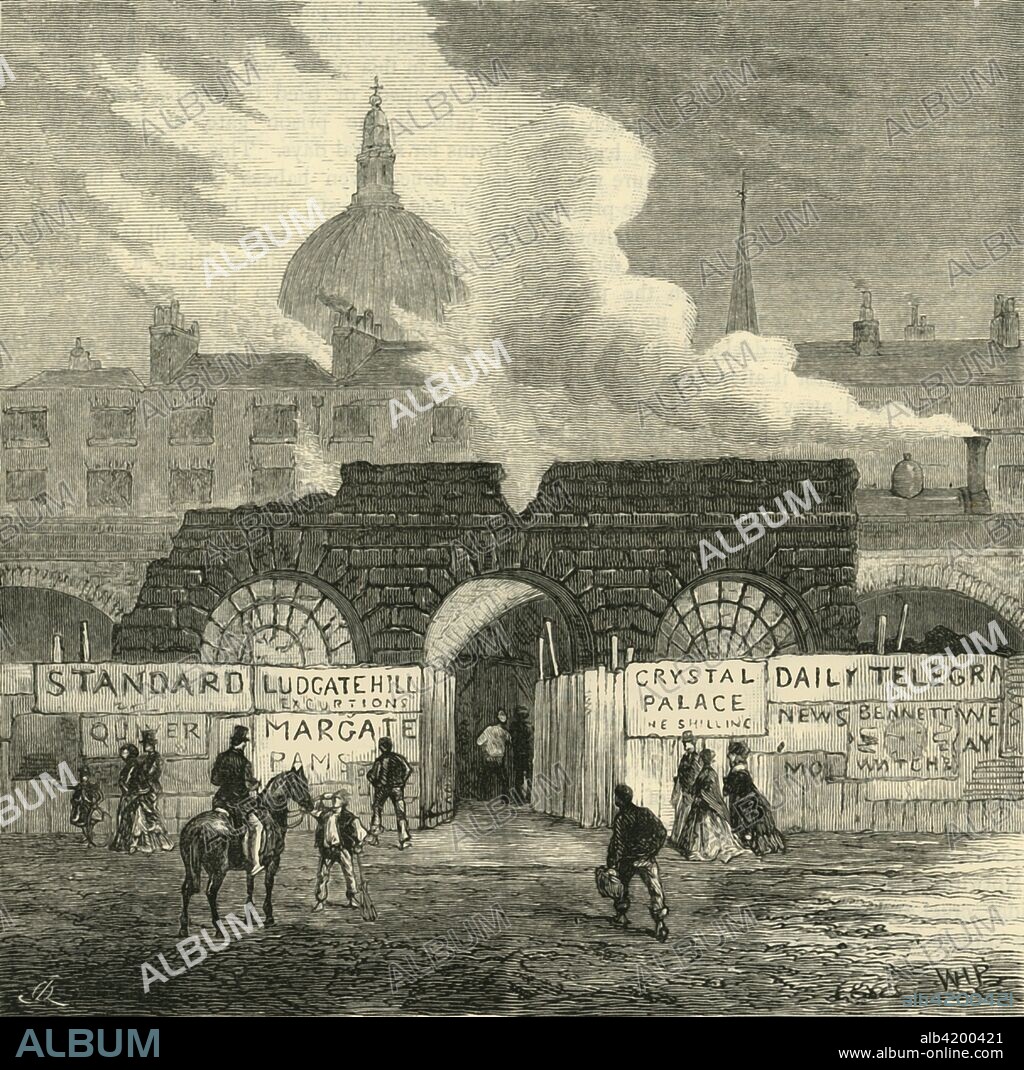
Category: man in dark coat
<point>637,837</point>
<point>521,732</point>
<point>132,782</point>
<point>388,776</point>
<point>232,773</point>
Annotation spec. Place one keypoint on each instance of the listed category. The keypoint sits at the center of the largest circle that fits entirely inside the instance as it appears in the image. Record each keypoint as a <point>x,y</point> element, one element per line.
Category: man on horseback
<point>232,773</point>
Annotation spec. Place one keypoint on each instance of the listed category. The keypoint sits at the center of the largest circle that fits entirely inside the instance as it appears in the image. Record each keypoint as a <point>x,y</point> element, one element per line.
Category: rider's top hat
<point>148,737</point>
<point>239,735</point>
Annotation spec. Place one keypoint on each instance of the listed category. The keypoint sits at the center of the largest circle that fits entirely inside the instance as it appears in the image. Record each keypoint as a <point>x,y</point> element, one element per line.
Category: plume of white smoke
<point>313,473</point>
<point>602,364</point>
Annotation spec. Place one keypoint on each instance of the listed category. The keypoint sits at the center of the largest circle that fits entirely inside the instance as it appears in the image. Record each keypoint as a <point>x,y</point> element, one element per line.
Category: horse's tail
<point>190,844</point>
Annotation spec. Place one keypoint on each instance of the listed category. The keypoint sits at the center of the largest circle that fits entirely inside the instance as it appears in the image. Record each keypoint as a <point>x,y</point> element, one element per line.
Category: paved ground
<point>507,920</point>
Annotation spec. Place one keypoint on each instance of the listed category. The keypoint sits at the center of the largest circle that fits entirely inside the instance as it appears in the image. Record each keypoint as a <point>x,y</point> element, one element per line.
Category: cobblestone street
<point>508,920</point>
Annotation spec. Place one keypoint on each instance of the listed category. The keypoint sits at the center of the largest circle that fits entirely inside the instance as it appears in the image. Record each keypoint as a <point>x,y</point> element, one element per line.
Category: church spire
<point>375,164</point>
<point>742,311</point>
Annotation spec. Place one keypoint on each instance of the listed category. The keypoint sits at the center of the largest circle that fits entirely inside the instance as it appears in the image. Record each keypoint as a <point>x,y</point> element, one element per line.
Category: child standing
<point>339,837</point>
<point>85,799</point>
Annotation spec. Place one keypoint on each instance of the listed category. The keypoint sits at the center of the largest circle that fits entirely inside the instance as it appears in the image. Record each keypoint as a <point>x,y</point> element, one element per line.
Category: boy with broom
<point>339,838</point>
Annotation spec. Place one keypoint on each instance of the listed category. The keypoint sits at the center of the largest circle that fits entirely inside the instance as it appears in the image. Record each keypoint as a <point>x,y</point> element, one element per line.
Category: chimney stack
<point>977,499</point>
<point>918,329</point>
<point>865,330</point>
<point>171,347</point>
<point>80,360</point>
<point>1004,327</point>
<point>353,339</point>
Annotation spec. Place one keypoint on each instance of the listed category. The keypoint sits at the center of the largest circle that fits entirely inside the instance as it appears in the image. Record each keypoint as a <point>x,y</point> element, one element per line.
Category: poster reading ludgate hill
<point>372,690</point>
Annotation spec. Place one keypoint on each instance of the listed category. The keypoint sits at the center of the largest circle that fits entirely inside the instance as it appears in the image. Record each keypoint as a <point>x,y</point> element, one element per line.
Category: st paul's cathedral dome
<point>374,254</point>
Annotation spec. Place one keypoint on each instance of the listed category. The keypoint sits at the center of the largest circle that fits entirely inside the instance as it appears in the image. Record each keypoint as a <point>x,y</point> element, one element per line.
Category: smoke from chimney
<point>602,361</point>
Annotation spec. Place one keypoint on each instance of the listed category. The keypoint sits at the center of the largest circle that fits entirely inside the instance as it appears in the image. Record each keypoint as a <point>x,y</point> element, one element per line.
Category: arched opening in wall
<point>937,619</point>
<point>488,633</point>
<point>735,615</point>
<point>31,616</point>
<point>288,619</point>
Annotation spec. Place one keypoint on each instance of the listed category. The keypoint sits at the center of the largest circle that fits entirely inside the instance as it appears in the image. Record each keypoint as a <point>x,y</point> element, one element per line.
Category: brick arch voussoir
<point>106,598</point>
<point>885,575</point>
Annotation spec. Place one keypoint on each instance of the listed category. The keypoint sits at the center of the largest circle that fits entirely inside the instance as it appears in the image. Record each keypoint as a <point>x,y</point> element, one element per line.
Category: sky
<point>124,113</point>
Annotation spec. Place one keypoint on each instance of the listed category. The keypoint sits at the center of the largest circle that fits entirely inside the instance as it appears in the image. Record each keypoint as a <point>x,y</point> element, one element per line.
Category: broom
<point>366,907</point>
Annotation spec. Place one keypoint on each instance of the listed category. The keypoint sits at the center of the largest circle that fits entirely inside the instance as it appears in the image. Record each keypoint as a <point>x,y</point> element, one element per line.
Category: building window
<point>112,427</point>
<point>109,488</point>
<point>351,422</point>
<point>274,423</point>
<point>192,426</point>
<point>26,486</point>
<point>447,421</point>
<point>272,484</point>
<point>191,485</point>
<point>25,427</point>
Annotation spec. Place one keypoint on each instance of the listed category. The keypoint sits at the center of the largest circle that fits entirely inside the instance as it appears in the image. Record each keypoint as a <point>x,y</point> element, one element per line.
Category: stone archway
<point>285,618</point>
<point>111,600</point>
<point>938,573</point>
<point>478,602</point>
<point>485,634</point>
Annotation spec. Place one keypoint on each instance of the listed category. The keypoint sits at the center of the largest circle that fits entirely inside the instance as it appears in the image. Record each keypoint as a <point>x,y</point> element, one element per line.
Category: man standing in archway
<point>494,743</point>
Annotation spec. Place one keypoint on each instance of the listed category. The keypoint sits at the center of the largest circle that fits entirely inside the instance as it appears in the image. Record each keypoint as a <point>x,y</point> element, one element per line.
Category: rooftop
<point>255,369</point>
<point>108,378</point>
<point>390,364</point>
<point>900,361</point>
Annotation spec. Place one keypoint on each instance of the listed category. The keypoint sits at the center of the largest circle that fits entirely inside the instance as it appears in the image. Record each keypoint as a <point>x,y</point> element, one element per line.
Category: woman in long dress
<point>149,828</point>
<point>707,834</point>
<point>682,791</point>
<point>749,812</point>
<point>132,783</point>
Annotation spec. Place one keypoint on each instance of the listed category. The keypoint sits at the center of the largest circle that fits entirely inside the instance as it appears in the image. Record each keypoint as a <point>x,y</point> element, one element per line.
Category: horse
<point>209,841</point>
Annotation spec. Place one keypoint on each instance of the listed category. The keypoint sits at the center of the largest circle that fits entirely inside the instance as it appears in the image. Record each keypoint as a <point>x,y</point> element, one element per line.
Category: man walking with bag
<point>637,837</point>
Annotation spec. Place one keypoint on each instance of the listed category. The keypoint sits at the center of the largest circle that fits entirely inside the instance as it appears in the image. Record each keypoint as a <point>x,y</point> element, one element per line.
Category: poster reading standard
<point>715,699</point>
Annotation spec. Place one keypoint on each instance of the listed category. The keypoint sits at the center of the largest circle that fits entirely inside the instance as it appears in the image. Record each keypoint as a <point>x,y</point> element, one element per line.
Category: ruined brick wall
<point>621,537</point>
<point>388,542</point>
<point>625,539</point>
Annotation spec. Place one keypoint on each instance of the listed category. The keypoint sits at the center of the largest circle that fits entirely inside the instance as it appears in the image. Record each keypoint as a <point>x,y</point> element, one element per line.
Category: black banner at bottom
<point>817,1041</point>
